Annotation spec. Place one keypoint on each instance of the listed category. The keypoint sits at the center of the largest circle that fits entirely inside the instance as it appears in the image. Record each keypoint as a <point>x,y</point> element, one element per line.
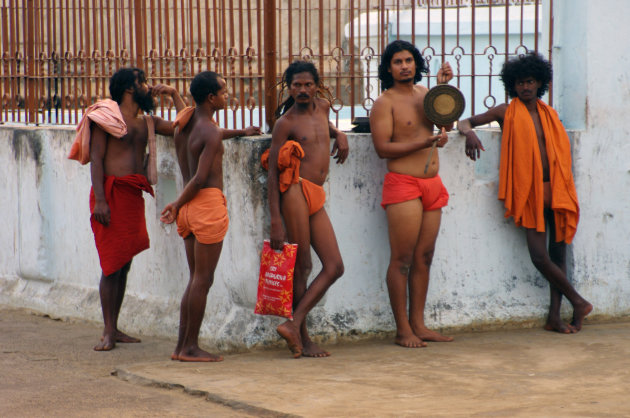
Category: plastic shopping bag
<point>275,281</point>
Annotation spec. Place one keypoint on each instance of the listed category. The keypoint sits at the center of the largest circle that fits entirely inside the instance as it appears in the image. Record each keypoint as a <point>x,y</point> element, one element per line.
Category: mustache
<point>303,96</point>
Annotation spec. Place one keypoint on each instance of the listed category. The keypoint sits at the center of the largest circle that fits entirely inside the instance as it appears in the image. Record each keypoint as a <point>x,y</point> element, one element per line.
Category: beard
<point>144,100</point>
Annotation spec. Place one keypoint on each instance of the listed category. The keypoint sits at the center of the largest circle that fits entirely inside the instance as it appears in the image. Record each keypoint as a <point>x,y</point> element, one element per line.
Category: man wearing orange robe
<point>201,208</point>
<point>535,178</point>
<point>298,162</point>
<point>113,135</point>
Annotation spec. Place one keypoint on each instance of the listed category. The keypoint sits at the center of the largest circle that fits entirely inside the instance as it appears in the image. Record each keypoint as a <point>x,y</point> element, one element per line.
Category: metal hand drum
<point>443,105</point>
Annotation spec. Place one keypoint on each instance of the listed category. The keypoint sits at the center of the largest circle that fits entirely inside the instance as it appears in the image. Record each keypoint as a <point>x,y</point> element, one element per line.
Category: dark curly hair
<point>124,79</point>
<point>294,68</point>
<point>529,65</point>
<point>385,76</point>
<point>204,84</point>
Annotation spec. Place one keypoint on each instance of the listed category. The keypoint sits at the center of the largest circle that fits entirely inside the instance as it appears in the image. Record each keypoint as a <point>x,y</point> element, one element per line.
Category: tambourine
<point>443,105</point>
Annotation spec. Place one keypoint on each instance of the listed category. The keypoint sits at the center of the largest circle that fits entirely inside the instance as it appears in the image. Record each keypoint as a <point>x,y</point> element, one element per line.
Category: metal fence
<point>56,56</point>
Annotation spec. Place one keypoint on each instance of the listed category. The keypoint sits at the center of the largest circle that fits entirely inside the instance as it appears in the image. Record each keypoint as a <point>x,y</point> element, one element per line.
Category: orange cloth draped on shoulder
<point>183,117</point>
<point>106,114</point>
<point>521,173</point>
<point>289,157</point>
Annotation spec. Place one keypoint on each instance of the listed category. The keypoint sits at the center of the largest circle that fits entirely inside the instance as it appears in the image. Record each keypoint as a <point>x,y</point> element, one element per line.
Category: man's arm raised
<point>165,127</point>
<point>249,131</point>
<point>212,141</point>
<point>465,127</point>
<point>279,136</point>
<point>382,127</point>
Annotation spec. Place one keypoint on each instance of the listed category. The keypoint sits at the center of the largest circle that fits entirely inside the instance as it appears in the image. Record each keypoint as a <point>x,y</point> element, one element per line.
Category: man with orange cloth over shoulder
<point>113,135</point>
<point>535,179</point>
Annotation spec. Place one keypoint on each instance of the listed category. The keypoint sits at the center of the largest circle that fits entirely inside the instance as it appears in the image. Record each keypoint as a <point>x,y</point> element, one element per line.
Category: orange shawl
<point>521,174</point>
<point>183,117</point>
<point>106,114</point>
<point>289,158</point>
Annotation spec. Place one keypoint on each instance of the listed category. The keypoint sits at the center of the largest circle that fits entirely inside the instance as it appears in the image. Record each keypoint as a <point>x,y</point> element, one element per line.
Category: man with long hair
<point>535,178</point>
<point>301,139</point>
<point>412,196</point>
<point>113,135</point>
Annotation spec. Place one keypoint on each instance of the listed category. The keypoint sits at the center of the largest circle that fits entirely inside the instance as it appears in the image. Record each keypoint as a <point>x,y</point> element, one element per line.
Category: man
<point>115,143</point>
<point>304,130</point>
<point>201,209</point>
<point>535,178</point>
<point>412,196</point>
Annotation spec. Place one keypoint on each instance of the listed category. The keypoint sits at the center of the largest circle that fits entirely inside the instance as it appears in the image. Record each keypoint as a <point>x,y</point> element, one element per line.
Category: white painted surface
<point>481,273</point>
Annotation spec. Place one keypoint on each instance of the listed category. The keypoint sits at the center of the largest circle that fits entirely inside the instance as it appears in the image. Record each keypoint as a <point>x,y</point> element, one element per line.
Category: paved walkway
<point>511,373</point>
<point>49,368</point>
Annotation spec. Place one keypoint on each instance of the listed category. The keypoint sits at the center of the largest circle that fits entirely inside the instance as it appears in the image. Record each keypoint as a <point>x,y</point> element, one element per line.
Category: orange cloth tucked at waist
<point>106,114</point>
<point>126,234</point>
<point>521,173</point>
<point>314,194</point>
<point>289,158</point>
<point>205,216</point>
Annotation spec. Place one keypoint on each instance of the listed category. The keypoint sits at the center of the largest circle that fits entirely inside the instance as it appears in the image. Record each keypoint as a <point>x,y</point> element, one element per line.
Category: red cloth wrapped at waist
<point>126,234</point>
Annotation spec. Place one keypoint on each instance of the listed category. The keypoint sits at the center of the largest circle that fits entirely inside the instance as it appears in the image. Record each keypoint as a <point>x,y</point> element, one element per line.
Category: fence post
<point>139,32</point>
<point>30,96</point>
<point>270,62</point>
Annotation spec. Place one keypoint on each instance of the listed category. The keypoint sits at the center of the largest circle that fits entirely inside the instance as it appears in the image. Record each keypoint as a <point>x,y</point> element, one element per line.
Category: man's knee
<point>304,265</point>
<point>336,269</point>
<point>402,263</point>
<point>425,258</point>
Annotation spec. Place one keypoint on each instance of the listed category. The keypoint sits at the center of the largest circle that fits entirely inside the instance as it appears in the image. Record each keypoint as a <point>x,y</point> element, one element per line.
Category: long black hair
<point>124,79</point>
<point>385,76</point>
<point>294,68</point>
<point>530,65</point>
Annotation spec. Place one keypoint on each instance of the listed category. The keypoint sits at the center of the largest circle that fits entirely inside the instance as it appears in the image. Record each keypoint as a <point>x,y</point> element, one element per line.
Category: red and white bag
<point>275,281</point>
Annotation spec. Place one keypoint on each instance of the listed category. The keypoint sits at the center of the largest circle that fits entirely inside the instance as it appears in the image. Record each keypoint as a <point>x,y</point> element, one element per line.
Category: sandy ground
<point>48,368</point>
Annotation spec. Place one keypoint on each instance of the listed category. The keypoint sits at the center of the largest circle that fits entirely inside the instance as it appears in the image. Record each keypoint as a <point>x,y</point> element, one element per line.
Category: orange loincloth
<point>205,216</point>
<point>399,188</point>
<point>106,114</point>
<point>289,157</point>
<point>126,234</point>
<point>521,174</point>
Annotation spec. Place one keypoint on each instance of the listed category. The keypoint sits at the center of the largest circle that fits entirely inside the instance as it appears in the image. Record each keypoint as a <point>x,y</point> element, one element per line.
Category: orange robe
<point>521,173</point>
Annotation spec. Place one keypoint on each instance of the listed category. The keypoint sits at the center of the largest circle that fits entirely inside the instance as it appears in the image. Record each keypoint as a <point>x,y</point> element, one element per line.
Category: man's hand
<point>340,148</point>
<point>169,213</point>
<point>162,89</point>
<point>252,130</point>
<point>445,74</point>
<point>440,140</point>
<point>278,235</point>
<point>101,212</point>
<point>473,145</point>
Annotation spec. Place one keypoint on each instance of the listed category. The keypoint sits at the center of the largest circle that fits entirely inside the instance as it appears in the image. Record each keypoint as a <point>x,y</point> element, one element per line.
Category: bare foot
<point>409,341</point>
<point>579,313</point>
<point>121,337</point>
<point>174,356</point>
<point>558,326</point>
<point>291,334</point>
<point>107,343</point>
<point>199,355</point>
<point>428,335</point>
<point>310,349</point>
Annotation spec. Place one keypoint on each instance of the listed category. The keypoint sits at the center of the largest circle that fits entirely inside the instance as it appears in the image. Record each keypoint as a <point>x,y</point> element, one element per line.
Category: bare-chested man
<point>304,123</point>
<point>201,208</point>
<point>412,196</point>
<point>119,173</point>
<point>536,192</point>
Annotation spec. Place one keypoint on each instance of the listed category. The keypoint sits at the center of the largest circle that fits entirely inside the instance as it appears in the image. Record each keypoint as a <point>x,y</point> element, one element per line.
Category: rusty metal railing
<point>56,56</point>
